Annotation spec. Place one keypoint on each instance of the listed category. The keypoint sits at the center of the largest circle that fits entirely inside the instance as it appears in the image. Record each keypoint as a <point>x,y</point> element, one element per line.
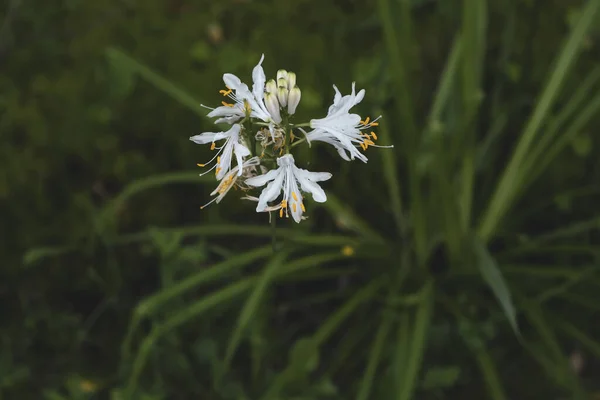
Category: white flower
<point>342,129</point>
<point>230,180</point>
<point>246,102</point>
<point>286,179</point>
<point>224,155</point>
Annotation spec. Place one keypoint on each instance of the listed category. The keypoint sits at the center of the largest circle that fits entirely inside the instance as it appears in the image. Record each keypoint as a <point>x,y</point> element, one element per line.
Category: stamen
<point>227,104</point>
<point>218,159</point>
<point>374,123</point>
<point>281,213</point>
<point>374,135</point>
<point>200,165</point>
<point>212,146</point>
<point>294,196</point>
<point>369,142</point>
<point>366,121</point>
<point>226,92</point>
<point>302,206</point>
<point>217,170</point>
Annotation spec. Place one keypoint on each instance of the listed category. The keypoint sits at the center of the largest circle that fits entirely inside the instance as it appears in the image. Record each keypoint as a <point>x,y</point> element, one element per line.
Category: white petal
<point>261,180</point>
<point>294,206</point>
<point>258,77</point>
<point>225,111</point>
<point>225,160</point>
<point>317,193</point>
<point>232,81</point>
<point>206,137</point>
<point>271,192</point>
<point>313,176</point>
<point>240,151</point>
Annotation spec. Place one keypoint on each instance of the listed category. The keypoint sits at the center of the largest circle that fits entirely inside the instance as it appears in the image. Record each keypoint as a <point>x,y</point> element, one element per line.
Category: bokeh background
<point>462,264</point>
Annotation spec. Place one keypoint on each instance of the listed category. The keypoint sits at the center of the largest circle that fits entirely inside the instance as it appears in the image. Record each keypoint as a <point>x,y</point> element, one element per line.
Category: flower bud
<point>271,86</point>
<point>282,73</point>
<point>293,100</point>
<point>273,106</point>
<point>291,78</point>
<point>282,96</point>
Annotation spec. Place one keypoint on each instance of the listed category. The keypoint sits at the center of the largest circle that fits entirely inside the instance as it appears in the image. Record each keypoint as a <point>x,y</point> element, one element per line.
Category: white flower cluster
<point>262,136</point>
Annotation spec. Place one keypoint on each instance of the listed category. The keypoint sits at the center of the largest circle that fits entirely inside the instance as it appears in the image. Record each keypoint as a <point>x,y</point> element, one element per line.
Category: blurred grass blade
<point>509,185</point>
<point>562,369</point>
<point>251,306</point>
<point>576,102</point>
<point>149,305</point>
<point>493,277</point>
<point>206,303</point>
<point>348,219</point>
<point>590,111</point>
<point>375,357</point>
<point>125,61</point>
<point>490,374</point>
<point>108,214</point>
<point>418,340</point>
<point>390,173</point>
<point>474,30</point>
<point>579,336</point>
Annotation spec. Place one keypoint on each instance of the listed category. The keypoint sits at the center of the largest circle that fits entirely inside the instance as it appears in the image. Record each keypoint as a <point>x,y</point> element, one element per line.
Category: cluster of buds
<point>261,137</point>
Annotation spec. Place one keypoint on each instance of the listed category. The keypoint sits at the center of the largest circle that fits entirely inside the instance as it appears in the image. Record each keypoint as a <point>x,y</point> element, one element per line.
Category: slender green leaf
<point>509,185</point>
<point>494,279</point>
<point>251,305</point>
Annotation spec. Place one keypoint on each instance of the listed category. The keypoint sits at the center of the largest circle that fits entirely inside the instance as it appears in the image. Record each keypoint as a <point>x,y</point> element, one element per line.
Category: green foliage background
<point>475,264</point>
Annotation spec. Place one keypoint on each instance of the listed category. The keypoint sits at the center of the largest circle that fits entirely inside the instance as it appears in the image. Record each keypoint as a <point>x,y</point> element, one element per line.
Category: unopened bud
<point>293,100</point>
<point>282,73</point>
<point>291,78</point>
<point>273,106</point>
<point>271,86</point>
<point>282,96</point>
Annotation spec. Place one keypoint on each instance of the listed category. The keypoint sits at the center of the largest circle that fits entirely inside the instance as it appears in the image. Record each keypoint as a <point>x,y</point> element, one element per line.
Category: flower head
<point>286,179</point>
<point>342,129</point>
<point>232,145</point>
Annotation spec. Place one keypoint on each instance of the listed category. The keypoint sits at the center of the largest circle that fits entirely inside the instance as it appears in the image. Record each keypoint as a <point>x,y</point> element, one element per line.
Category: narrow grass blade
<point>251,305</point>
<point>418,342</point>
<point>149,305</point>
<point>509,185</point>
<point>490,374</point>
<point>158,81</point>
<point>494,279</point>
<point>375,357</point>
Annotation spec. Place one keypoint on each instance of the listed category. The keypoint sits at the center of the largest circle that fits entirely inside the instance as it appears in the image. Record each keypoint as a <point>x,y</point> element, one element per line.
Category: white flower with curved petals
<point>342,129</point>
<point>230,180</point>
<point>286,179</point>
<point>232,145</point>
<point>246,102</point>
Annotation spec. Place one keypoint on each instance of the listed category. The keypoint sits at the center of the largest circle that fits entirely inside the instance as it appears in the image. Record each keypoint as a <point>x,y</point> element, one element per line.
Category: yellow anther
<point>374,135</point>
<point>364,146</point>
<point>225,92</point>
<point>294,207</point>
<point>374,123</point>
<point>281,213</point>
<point>366,121</point>
<point>218,159</point>
<point>302,206</point>
<point>283,203</point>
<point>217,171</point>
<point>294,196</point>
<point>200,165</point>
<point>227,104</point>
<point>366,135</point>
<point>212,146</point>
<point>348,251</point>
